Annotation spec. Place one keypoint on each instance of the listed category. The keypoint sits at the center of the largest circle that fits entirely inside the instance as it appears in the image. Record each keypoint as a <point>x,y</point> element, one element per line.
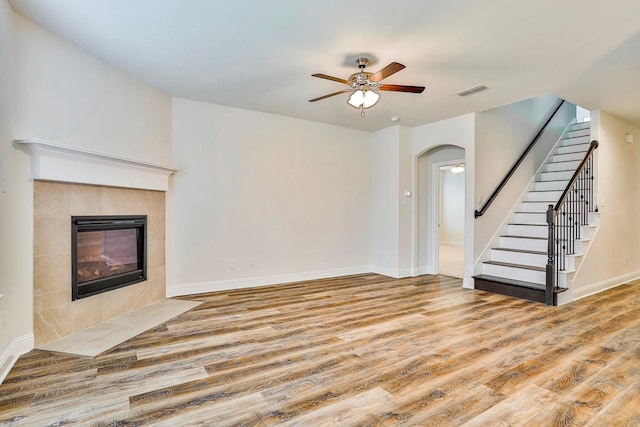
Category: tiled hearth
<point>55,315</point>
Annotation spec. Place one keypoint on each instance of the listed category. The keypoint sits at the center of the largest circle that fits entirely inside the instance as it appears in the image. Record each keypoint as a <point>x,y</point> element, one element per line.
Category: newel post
<point>551,268</point>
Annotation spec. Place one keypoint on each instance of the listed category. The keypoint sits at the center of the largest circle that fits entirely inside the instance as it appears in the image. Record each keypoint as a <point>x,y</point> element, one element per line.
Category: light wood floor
<point>357,351</point>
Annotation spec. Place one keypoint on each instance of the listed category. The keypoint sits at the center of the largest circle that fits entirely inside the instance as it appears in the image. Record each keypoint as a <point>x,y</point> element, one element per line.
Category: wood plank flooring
<point>363,350</point>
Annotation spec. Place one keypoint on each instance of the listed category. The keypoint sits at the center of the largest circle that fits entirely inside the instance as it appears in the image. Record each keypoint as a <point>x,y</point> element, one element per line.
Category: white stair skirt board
<point>521,254</point>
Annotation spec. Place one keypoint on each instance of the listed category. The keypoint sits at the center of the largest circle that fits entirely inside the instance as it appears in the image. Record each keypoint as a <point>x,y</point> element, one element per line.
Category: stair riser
<point>527,230</point>
<point>515,273</point>
<point>585,232</point>
<point>573,148</point>
<point>533,207</point>
<point>530,218</point>
<point>578,132</point>
<point>556,176</point>
<point>524,244</point>
<point>576,137</point>
<point>554,167</point>
<point>522,258</point>
<point>550,185</point>
<point>566,157</point>
<point>578,248</point>
<point>535,196</point>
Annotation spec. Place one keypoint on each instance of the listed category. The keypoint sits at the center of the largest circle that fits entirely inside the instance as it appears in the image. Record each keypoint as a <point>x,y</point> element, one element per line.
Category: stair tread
<point>512,282</point>
<point>522,251</point>
<point>525,223</point>
<point>524,237</point>
<point>577,136</point>
<point>562,161</point>
<point>582,239</point>
<point>545,191</point>
<point>508,264</point>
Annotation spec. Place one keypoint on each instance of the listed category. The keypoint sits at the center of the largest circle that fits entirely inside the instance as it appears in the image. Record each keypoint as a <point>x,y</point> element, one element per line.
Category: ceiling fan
<point>364,85</point>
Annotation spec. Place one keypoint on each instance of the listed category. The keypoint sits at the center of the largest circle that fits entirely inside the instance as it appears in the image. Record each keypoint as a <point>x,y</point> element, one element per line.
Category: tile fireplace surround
<point>55,315</point>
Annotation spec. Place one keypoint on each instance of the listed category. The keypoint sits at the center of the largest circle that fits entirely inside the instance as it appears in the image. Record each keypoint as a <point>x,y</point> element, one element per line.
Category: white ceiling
<point>260,54</point>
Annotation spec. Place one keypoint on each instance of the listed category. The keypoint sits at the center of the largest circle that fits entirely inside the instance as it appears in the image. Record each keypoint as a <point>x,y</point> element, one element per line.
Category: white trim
<point>594,288</point>
<point>224,285</point>
<point>17,348</point>
<point>56,162</point>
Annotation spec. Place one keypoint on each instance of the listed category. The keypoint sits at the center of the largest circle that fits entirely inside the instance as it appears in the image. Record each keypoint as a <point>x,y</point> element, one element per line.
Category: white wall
<point>384,210</point>
<point>16,217</point>
<point>460,132</point>
<point>292,196</point>
<point>54,91</point>
<point>502,135</point>
<point>391,211</point>
<point>614,255</point>
<point>70,97</point>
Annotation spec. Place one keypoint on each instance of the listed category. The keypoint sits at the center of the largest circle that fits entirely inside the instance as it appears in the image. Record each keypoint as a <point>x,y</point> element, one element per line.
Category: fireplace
<point>107,252</point>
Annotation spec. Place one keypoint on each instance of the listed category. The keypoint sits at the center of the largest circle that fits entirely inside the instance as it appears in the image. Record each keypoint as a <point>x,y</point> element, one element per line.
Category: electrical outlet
<point>4,184</point>
<point>252,263</point>
<point>232,264</point>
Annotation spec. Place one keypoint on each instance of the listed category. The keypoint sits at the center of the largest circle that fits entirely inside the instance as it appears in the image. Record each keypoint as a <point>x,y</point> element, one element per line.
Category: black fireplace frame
<point>81,224</point>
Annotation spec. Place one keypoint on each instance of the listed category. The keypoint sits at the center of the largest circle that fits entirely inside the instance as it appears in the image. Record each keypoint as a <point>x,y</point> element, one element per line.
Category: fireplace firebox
<point>107,252</point>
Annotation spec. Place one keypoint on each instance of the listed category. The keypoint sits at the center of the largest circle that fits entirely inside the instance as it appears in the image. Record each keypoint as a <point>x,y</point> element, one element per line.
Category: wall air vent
<point>472,90</point>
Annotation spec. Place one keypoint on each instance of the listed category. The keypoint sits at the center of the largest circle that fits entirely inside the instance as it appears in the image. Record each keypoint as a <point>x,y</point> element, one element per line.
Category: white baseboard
<point>594,288</point>
<point>225,285</point>
<point>390,272</point>
<point>17,348</point>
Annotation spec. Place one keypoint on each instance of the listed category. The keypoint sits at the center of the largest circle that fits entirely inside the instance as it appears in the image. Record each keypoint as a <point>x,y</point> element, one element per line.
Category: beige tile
<point>123,201</point>
<point>157,290</point>
<point>138,296</point>
<point>93,347</point>
<point>51,300</point>
<point>51,199</point>
<point>155,256</point>
<point>86,312</point>
<point>52,324</point>
<point>51,273</point>
<point>155,203</point>
<point>154,273</point>
<point>86,200</point>
<point>114,303</point>
<point>52,235</point>
<point>156,228</point>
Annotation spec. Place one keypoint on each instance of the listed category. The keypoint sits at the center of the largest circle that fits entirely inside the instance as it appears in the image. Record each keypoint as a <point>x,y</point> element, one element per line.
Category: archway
<point>436,185</point>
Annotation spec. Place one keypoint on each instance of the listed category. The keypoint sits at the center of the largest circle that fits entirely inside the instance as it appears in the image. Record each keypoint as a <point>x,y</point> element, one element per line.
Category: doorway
<point>440,212</point>
<point>451,193</point>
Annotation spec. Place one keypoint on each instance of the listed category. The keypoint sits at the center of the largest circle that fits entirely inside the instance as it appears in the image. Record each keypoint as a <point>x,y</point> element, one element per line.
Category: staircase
<point>517,266</point>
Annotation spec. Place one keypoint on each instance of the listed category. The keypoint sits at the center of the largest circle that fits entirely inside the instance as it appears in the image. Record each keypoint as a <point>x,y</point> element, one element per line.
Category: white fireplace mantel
<point>56,162</point>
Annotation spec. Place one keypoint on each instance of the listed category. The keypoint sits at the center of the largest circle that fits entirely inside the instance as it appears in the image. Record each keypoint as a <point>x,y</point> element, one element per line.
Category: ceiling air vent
<point>472,90</point>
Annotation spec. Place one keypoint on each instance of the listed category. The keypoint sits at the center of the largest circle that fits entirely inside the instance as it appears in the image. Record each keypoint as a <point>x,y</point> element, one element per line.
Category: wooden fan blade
<point>390,69</point>
<point>402,88</point>
<point>335,79</point>
<point>327,96</point>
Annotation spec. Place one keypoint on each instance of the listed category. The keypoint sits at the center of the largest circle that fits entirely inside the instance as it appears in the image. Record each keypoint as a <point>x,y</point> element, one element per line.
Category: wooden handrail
<point>479,213</point>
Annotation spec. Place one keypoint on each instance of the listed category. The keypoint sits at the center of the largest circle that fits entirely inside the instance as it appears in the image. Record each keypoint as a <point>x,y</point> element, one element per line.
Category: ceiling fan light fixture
<point>363,98</point>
